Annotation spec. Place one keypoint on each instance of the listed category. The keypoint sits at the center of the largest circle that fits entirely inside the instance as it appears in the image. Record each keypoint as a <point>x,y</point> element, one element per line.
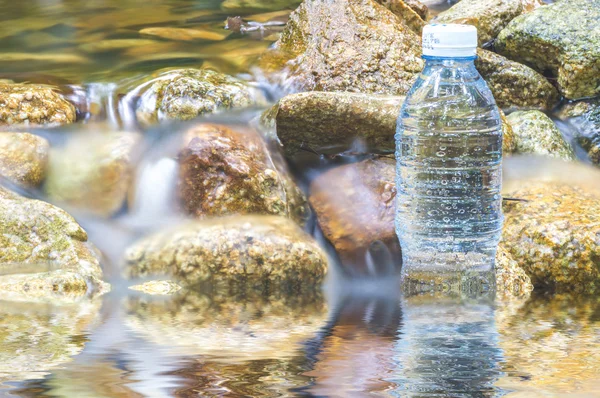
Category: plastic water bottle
<point>449,168</point>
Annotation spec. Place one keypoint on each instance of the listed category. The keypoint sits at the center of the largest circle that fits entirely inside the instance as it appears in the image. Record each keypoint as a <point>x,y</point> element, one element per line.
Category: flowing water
<point>353,338</point>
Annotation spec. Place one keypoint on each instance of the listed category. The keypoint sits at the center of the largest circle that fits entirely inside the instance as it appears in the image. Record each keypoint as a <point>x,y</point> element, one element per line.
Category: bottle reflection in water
<point>449,154</point>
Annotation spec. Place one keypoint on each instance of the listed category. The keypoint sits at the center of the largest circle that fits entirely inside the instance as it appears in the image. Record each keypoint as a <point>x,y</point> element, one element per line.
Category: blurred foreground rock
<point>555,235</point>
<point>254,252</point>
<point>44,253</point>
<point>535,133</point>
<point>562,39</point>
<point>231,171</point>
<point>515,85</point>
<point>92,172</point>
<point>488,16</point>
<point>346,45</point>
<point>183,94</point>
<point>33,105</point>
<point>23,158</point>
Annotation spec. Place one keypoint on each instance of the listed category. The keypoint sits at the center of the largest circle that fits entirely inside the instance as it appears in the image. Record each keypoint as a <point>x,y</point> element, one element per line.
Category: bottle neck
<point>449,62</point>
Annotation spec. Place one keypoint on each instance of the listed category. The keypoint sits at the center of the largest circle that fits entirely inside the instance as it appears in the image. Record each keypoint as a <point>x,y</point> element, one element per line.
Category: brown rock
<point>33,104</point>
<point>23,158</point>
<point>346,45</point>
<point>407,13</point>
<point>225,171</point>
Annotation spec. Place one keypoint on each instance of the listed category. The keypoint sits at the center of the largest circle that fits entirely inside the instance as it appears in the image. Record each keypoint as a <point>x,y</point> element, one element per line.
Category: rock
<point>515,85</point>
<point>33,104</point>
<point>183,34</point>
<point>92,171</point>
<point>44,252</point>
<point>355,207</point>
<point>536,133</point>
<point>406,12</point>
<point>488,16</point>
<point>254,252</point>
<point>225,171</point>
<point>332,122</point>
<point>509,142</point>
<point>511,279</point>
<point>161,288</point>
<point>346,45</point>
<point>23,158</point>
<point>38,338</point>
<point>562,39</point>
<point>555,235</point>
<point>215,323</point>
<point>584,116</point>
<point>250,6</point>
<point>421,9</point>
<point>184,94</point>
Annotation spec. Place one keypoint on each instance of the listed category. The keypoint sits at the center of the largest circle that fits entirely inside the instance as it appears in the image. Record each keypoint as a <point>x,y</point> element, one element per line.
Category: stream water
<point>353,338</point>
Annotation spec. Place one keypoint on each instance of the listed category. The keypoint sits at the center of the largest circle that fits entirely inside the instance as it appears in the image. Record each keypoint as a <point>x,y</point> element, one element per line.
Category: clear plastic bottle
<point>449,168</point>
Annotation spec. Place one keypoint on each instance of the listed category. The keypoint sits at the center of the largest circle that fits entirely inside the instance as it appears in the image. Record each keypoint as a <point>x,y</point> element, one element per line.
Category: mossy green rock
<point>43,251</point>
<point>92,172</point>
<point>250,6</point>
<point>584,116</point>
<point>489,16</point>
<point>555,235</point>
<point>184,94</point>
<point>562,39</point>
<point>345,45</point>
<point>254,252</point>
<point>536,133</point>
<point>33,104</point>
<point>515,85</point>
<point>23,158</point>
<point>226,171</point>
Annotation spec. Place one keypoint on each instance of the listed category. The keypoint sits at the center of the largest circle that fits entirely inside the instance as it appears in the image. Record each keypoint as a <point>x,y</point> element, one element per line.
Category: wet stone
<point>562,39</point>
<point>515,85</point>
<point>44,253</point>
<point>406,12</point>
<point>489,16</point>
<point>92,172</point>
<point>23,158</point>
<point>246,252</point>
<point>536,133</point>
<point>231,171</point>
<point>32,104</point>
<point>345,45</point>
<point>511,279</point>
<point>184,94</point>
<point>555,235</point>
<point>509,141</point>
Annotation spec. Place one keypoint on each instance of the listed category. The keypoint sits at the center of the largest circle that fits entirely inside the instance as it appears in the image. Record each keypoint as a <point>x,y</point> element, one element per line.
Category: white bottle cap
<point>449,40</point>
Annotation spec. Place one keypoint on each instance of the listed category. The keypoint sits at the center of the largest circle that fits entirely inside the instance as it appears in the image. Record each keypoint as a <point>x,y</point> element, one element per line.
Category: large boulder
<point>261,252</point>
<point>584,117</point>
<point>225,171</point>
<point>184,94</point>
<point>515,85</point>
<point>536,133</point>
<point>92,172</point>
<point>414,15</point>
<point>33,104</point>
<point>561,39</point>
<point>489,16</point>
<point>44,252</point>
<point>23,158</point>
<point>554,233</point>
<point>346,45</point>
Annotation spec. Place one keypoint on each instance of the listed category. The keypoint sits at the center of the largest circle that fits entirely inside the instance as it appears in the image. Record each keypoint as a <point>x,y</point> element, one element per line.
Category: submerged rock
<point>346,45</point>
<point>44,252</point>
<point>555,235</point>
<point>489,16</point>
<point>407,12</point>
<point>254,252</point>
<point>23,158</point>
<point>515,85</point>
<point>321,120</point>
<point>33,104</point>
<point>250,6</point>
<point>584,116</point>
<point>562,39</point>
<point>355,207</point>
<point>225,171</point>
<point>93,171</point>
<point>184,94</point>
<point>536,133</point>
